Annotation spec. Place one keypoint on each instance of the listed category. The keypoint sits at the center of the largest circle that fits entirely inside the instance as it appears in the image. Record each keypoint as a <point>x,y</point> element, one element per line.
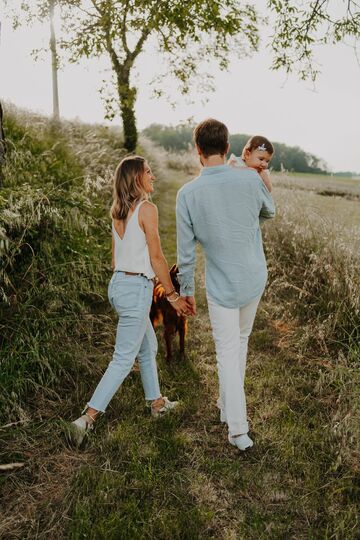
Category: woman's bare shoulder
<point>148,215</point>
<point>148,209</point>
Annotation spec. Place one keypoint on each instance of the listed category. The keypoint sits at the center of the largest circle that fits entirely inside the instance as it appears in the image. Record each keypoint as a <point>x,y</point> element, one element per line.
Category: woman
<point>137,258</point>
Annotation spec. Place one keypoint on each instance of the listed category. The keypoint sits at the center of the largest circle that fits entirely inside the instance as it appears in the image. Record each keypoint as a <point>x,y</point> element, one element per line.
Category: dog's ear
<point>174,269</point>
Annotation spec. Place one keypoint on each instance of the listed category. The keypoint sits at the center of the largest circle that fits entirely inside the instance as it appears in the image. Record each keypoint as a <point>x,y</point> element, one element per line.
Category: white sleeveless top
<point>132,252</point>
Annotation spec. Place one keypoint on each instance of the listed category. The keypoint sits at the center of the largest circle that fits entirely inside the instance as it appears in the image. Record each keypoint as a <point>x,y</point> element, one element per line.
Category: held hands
<point>184,305</point>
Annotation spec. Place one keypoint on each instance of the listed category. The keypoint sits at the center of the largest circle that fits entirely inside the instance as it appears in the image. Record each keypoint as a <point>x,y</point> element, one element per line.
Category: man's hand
<point>180,305</point>
<point>191,303</point>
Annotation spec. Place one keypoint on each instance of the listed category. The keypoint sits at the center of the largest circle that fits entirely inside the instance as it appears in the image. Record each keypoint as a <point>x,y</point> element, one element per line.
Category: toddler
<point>256,154</point>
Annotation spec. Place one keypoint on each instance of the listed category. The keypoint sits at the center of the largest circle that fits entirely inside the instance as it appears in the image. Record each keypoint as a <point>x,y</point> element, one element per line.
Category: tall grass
<point>177,478</point>
<point>54,250</point>
<point>184,161</point>
<point>314,277</point>
<point>314,290</point>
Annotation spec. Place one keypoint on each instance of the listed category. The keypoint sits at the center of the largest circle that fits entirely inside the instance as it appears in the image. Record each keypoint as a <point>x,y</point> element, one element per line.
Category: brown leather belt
<point>136,274</point>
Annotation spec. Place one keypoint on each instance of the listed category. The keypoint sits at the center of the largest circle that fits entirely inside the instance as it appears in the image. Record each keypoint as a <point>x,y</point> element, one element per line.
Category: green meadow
<point>176,477</point>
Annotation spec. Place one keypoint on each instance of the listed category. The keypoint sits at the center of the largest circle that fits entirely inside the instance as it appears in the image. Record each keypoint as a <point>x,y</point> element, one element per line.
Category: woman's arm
<point>148,220</point>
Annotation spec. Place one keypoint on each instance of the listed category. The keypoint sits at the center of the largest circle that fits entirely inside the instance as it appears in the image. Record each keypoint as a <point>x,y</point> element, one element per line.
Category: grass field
<point>329,204</point>
<point>178,478</point>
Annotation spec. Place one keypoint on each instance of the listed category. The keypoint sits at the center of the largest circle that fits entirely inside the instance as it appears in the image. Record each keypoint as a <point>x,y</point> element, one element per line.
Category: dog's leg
<point>182,333</point>
<point>182,339</point>
<point>168,333</point>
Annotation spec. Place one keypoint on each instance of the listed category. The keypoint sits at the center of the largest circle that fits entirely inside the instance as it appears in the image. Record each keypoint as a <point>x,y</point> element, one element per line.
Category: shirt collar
<point>206,171</point>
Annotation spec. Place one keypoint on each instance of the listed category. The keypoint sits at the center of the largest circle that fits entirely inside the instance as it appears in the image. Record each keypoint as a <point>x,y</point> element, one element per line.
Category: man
<point>222,209</point>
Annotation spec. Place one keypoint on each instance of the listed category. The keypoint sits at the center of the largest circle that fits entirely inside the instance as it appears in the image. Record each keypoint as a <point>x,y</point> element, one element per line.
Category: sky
<point>249,98</point>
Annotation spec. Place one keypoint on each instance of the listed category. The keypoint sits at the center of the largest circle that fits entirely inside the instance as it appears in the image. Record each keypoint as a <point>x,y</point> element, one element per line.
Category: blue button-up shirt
<point>222,210</point>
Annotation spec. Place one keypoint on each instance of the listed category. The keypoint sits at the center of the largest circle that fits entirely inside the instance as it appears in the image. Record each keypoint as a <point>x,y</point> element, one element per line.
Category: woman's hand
<point>179,303</point>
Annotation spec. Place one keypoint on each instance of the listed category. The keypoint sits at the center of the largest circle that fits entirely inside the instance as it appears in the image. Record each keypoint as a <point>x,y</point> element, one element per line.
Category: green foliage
<point>54,250</point>
<point>188,35</point>
<point>37,155</point>
<point>177,477</point>
<point>347,174</point>
<point>286,157</point>
<point>301,26</point>
<point>184,33</point>
<point>181,479</point>
<point>171,138</point>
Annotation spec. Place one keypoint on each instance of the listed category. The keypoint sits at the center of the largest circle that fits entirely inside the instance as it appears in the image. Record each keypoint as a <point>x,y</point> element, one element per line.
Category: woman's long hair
<point>128,187</point>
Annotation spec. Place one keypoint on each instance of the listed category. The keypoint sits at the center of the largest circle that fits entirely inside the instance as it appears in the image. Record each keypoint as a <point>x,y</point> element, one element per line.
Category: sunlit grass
<point>178,478</point>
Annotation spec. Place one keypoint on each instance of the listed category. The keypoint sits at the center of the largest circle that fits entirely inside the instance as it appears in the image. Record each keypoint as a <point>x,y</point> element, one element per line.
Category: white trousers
<point>231,330</point>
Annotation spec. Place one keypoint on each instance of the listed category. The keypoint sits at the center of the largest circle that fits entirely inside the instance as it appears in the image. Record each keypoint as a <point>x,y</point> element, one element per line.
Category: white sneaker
<point>80,427</point>
<point>242,442</point>
<point>168,405</point>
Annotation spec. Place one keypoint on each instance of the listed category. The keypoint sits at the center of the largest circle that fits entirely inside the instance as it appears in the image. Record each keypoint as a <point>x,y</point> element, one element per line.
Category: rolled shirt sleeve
<point>186,247</point>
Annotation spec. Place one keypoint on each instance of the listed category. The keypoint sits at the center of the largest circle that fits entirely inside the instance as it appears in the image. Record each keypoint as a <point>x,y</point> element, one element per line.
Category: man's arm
<point>186,247</point>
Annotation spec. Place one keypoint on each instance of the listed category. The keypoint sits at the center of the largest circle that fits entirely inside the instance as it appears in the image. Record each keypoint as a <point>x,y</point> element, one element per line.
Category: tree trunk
<point>54,63</point>
<point>127,97</point>
<point>2,147</point>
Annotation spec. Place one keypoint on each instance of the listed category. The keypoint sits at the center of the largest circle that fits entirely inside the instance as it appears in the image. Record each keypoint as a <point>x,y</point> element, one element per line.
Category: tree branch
<point>137,49</point>
<point>316,11</point>
<point>96,7</point>
<point>123,30</point>
<point>144,34</point>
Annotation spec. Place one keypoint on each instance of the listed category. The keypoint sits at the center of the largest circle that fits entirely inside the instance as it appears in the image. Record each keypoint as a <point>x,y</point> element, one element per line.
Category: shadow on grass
<point>139,487</point>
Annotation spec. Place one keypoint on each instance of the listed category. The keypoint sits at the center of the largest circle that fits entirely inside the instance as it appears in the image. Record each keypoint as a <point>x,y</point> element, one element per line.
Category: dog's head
<point>173,274</point>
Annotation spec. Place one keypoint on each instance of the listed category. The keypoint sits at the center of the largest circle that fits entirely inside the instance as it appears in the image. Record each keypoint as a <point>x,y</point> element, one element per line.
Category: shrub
<point>54,251</point>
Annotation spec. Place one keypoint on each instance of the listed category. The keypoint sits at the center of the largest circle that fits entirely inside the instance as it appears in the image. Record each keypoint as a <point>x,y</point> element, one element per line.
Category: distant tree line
<point>347,174</point>
<point>291,158</point>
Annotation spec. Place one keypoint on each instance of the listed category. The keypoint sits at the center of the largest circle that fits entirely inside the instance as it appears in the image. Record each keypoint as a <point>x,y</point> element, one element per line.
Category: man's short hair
<point>212,137</point>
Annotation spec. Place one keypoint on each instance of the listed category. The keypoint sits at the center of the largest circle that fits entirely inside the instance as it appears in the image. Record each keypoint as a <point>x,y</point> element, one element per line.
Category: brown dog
<point>162,311</point>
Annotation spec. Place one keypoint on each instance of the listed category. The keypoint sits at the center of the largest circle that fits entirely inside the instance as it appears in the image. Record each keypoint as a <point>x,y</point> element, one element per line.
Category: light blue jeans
<point>131,298</point>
